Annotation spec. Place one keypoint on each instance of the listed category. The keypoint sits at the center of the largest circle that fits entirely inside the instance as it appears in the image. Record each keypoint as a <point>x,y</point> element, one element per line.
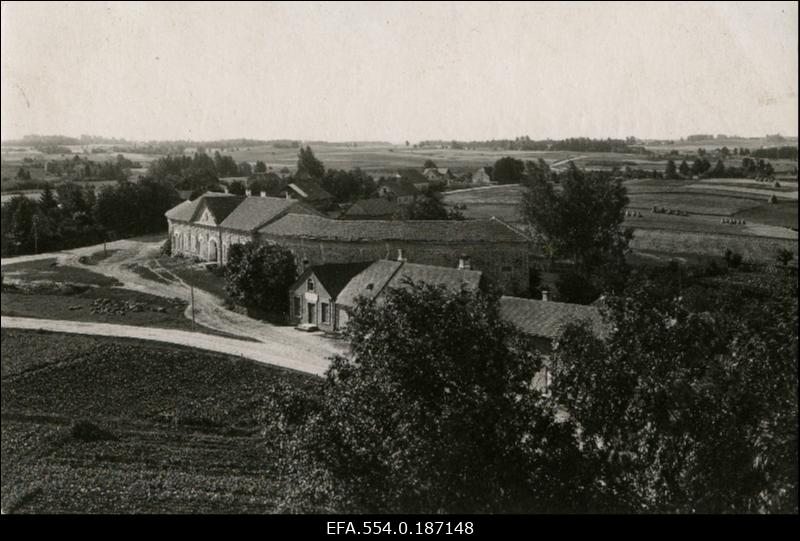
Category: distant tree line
<point>575,144</point>
<point>72,215</point>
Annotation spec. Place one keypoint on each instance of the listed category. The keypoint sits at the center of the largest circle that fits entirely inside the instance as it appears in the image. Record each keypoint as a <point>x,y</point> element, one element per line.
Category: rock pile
<point>110,306</point>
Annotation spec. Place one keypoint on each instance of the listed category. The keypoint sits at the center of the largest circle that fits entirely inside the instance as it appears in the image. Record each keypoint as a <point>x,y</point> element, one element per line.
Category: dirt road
<point>284,342</point>
<point>265,353</point>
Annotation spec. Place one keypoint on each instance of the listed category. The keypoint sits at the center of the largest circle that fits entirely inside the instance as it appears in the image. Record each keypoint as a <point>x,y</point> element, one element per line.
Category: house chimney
<point>545,295</point>
<point>263,194</point>
<point>464,263</point>
<point>248,192</point>
<point>224,188</point>
<point>400,255</point>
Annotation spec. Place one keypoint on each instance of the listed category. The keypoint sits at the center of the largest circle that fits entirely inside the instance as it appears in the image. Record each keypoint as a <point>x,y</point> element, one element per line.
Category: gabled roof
<point>309,190</point>
<point>400,188</point>
<point>317,227</point>
<point>333,276</point>
<point>221,206</point>
<point>254,212</point>
<point>412,175</point>
<point>377,206</point>
<point>185,212</point>
<point>384,274</point>
<point>546,319</point>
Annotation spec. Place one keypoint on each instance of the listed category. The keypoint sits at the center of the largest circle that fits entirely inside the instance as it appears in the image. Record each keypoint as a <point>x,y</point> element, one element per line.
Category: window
<point>326,312</point>
<point>310,284</point>
<point>298,307</point>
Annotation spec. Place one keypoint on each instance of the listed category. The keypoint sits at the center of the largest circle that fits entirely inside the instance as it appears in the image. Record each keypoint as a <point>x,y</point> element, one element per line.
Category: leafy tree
<point>308,164</point>
<point>429,207</point>
<point>47,201</point>
<point>23,174</point>
<point>433,410</point>
<point>237,187</point>
<point>245,169</point>
<point>508,170</point>
<point>684,169</point>
<point>693,397</point>
<point>429,164</point>
<point>260,275</point>
<point>261,167</point>
<point>582,223</point>
<point>671,172</point>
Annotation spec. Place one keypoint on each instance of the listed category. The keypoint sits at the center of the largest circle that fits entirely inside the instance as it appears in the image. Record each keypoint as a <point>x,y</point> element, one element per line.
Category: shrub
<point>166,247</point>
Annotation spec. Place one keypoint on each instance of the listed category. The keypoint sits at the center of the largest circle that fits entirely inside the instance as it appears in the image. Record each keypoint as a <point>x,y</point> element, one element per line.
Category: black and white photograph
<point>421,261</point>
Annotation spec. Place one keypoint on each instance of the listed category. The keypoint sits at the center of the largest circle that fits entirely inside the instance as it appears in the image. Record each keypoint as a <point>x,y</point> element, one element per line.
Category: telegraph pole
<point>35,234</point>
<point>191,289</point>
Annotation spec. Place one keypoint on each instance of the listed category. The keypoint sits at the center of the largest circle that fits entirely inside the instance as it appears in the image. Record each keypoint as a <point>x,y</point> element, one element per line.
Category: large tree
<point>308,164</point>
<point>508,170</point>
<point>259,276</point>
<point>693,397</point>
<point>433,410</point>
<point>582,223</point>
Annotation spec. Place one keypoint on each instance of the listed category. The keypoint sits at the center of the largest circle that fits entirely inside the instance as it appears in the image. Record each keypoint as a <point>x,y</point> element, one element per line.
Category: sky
<point>398,71</point>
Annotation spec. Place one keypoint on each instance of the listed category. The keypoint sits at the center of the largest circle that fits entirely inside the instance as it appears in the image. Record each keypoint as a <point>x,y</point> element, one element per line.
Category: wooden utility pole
<point>191,289</point>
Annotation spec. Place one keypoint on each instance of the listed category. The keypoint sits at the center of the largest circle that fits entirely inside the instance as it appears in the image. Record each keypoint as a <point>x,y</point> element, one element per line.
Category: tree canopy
<point>433,410</point>
<point>258,275</point>
<point>308,164</point>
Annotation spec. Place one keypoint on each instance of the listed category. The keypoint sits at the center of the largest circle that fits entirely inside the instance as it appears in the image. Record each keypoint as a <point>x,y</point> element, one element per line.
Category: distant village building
<point>324,296</point>
<point>376,208</point>
<point>206,227</point>
<point>401,192</point>
<point>310,192</point>
<point>416,178</point>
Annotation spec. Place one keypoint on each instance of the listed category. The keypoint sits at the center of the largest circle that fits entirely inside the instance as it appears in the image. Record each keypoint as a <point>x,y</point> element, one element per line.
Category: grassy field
<point>50,270</point>
<point>180,431</point>
<point>782,214</point>
<point>192,274</point>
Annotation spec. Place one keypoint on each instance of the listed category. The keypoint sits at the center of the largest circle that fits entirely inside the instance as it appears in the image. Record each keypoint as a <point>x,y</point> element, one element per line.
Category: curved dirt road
<point>257,351</point>
<point>283,342</point>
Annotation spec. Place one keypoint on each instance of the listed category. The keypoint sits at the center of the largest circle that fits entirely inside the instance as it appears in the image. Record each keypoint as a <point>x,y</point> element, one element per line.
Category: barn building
<point>206,227</point>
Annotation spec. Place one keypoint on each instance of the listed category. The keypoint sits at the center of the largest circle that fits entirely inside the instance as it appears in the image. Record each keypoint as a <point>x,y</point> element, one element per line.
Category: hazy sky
<point>398,71</point>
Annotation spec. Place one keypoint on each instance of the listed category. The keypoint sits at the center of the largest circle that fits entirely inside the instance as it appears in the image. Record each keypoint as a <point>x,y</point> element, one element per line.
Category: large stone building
<point>206,227</point>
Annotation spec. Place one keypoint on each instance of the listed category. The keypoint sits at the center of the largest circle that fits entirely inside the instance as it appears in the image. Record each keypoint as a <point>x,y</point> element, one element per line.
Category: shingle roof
<point>400,188</point>
<point>546,319</point>
<point>254,212</point>
<point>369,282</point>
<point>333,276</point>
<point>222,206</point>
<point>185,211</point>
<point>384,274</point>
<point>377,206</point>
<point>412,175</point>
<point>317,227</point>
<point>310,190</point>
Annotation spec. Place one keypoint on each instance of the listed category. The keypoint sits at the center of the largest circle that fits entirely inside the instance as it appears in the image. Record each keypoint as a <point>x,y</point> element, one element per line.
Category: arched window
<point>310,284</point>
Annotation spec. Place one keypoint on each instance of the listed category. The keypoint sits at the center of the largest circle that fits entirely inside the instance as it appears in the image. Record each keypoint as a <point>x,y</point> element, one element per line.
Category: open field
<point>180,430</point>
<point>49,270</point>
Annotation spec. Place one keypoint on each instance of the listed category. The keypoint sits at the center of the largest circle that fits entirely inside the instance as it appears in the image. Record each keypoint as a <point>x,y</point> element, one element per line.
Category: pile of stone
<point>120,308</point>
<point>732,221</point>
<point>671,212</point>
<point>632,214</point>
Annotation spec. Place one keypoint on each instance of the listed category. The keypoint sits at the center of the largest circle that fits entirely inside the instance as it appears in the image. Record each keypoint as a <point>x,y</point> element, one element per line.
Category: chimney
<point>400,255</point>
<point>464,263</point>
<point>224,188</point>
<point>263,194</point>
<point>248,193</point>
<point>545,294</point>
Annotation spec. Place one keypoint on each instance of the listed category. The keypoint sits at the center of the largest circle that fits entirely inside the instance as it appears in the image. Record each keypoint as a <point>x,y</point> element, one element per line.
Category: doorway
<point>312,312</point>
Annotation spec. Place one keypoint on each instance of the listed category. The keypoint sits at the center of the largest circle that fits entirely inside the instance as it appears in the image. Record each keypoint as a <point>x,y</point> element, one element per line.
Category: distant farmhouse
<point>310,192</point>
<point>403,193</point>
<point>206,228</point>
